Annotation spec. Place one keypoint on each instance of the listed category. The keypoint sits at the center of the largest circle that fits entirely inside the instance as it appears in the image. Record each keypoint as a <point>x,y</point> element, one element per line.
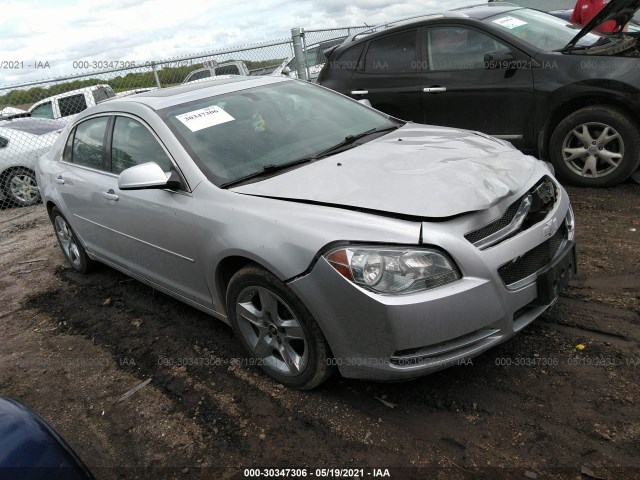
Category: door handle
<point>359,92</point>
<point>434,90</point>
<point>110,195</point>
<point>59,179</point>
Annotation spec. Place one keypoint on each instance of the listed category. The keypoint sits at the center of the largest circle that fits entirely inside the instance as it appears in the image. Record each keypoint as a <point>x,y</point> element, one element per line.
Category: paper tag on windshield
<point>204,118</point>
<point>509,22</point>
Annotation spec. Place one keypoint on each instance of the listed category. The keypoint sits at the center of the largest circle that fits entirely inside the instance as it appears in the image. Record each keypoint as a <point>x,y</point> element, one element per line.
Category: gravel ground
<point>536,406</point>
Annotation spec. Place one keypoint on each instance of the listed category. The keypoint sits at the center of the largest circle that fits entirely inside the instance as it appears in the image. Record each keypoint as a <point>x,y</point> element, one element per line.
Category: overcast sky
<point>37,31</point>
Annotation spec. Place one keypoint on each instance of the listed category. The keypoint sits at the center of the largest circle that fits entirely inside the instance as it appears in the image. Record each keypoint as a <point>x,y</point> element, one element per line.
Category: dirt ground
<point>534,407</point>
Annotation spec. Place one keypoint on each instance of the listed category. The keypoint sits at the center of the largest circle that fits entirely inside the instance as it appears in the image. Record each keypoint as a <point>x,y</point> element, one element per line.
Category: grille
<point>534,260</point>
<point>543,197</point>
<point>496,225</point>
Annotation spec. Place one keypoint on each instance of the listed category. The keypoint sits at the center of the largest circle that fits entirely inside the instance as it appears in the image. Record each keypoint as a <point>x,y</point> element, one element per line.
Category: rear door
<point>460,89</point>
<point>390,75</point>
<point>149,232</point>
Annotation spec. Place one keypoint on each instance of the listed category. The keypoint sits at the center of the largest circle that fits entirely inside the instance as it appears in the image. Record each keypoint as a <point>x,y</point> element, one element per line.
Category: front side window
<point>459,48</point>
<point>540,29</point>
<point>395,53</point>
<point>43,111</point>
<point>88,142</point>
<point>133,144</point>
<point>72,105</point>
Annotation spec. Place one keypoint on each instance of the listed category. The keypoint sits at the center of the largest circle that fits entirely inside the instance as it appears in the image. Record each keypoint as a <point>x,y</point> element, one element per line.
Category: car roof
<point>472,12</point>
<point>184,93</point>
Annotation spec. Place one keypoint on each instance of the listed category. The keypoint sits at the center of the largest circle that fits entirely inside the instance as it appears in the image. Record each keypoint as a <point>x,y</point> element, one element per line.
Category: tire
<point>277,330</point>
<point>579,142</point>
<point>71,247</point>
<point>20,187</point>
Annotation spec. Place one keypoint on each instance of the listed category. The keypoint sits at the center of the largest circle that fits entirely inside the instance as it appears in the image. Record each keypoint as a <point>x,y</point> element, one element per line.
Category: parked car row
<point>22,141</point>
<point>25,135</point>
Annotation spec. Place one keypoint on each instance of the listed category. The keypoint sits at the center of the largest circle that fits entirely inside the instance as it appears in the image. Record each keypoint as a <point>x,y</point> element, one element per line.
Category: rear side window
<point>88,141</point>
<point>133,144</point>
<point>395,53</point>
<point>72,105</point>
<point>43,111</point>
<point>228,70</point>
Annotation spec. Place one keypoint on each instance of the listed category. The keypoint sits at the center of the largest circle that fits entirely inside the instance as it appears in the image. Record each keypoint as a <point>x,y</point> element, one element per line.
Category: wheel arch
<point>573,105</point>
<point>226,269</point>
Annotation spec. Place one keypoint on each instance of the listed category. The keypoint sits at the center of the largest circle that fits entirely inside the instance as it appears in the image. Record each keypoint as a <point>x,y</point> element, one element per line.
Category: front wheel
<point>277,330</point>
<point>21,188</point>
<point>595,147</point>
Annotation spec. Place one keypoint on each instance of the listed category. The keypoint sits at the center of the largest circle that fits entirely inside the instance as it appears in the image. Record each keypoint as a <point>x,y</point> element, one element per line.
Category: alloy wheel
<point>272,331</point>
<point>68,241</point>
<point>23,188</point>
<point>593,150</point>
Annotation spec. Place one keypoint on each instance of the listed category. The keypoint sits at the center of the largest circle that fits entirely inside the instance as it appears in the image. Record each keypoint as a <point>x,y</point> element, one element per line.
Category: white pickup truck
<point>68,104</point>
<point>220,70</point>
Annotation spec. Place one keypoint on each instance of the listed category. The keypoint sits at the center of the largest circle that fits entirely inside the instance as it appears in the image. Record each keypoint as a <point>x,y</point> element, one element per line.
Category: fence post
<point>298,51</point>
<point>155,74</point>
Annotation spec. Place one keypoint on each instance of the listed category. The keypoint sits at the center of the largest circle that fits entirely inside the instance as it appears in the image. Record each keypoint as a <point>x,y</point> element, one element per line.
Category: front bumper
<point>400,337</point>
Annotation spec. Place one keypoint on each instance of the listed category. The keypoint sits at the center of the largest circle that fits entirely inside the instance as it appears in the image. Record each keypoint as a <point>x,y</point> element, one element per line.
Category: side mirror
<point>286,71</point>
<point>365,101</point>
<point>499,59</point>
<point>146,175</point>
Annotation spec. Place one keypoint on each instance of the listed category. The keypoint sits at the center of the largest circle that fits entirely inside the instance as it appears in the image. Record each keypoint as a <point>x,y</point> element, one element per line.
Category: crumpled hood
<point>417,170</point>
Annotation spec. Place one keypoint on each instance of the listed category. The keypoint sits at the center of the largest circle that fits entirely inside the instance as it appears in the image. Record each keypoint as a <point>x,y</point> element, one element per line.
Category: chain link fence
<point>312,44</point>
<point>32,114</point>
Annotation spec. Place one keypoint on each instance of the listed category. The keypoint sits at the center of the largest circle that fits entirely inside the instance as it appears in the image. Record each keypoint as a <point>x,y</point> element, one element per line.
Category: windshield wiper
<point>350,140</point>
<point>266,170</point>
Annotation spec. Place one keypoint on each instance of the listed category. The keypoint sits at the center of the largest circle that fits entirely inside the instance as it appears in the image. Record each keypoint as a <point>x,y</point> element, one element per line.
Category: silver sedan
<point>327,234</point>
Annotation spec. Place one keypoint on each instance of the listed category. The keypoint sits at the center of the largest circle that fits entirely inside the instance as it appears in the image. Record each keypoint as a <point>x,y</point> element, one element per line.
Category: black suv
<point>555,91</point>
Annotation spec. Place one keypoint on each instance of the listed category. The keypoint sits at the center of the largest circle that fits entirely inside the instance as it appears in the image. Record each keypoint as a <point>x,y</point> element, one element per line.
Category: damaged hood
<point>417,170</point>
<point>622,11</point>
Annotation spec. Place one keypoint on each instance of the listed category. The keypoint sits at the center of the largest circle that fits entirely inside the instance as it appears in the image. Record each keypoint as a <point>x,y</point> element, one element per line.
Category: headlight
<point>570,222</point>
<point>394,270</point>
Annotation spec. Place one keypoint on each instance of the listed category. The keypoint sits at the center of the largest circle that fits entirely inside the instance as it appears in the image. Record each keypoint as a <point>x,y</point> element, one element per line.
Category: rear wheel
<point>595,147</point>
<point>277,330</point>
<point>73,250</point>
<point>21,188</point>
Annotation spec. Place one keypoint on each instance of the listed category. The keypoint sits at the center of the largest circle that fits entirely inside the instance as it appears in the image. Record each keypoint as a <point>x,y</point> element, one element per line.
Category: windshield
<point>238,134</point>
<point>540,29</point>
